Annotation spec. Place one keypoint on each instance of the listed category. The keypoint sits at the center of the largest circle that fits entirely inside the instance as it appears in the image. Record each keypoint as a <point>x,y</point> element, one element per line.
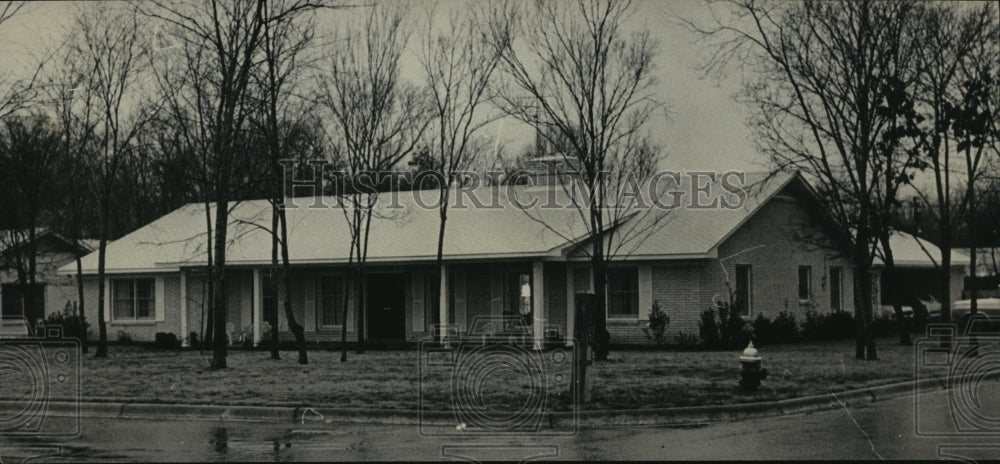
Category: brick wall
<point>144,330</point>
<point>770,244</point>
<point>677,288</point>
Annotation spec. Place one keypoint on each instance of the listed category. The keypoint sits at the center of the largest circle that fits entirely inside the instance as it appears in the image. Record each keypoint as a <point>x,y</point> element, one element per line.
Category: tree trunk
<point>442,276</point>
<point>102,326</point>
<point>360,308</point>
<point>894,284</point>
<point>209,330</point>
<point>944,275</point>
<point>343,318</point>
<point>272,319</point>
<point>102,340</point>
<point>600,339</point>
<point>83,315</point>
<point>32,302</point>
<point>362,258</point>
<point>297,330</point>
<point>219,350</point>
<point>863,284</point>
<point>582,333</point>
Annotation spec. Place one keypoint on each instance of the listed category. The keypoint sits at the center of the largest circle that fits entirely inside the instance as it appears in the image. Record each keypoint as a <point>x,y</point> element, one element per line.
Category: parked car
<point>989,307</point>
<point>886,311</point>
<point>931,304</point>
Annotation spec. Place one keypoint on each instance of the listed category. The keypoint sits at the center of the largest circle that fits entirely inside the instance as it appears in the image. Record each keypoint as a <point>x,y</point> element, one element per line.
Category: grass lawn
<point>389,379</point>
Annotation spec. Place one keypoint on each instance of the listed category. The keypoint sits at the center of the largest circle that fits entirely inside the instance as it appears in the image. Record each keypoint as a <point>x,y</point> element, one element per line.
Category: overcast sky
<point>705,128</point>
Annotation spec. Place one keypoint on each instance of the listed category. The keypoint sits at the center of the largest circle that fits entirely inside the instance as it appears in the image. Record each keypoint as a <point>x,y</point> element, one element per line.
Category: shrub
<point>833,326</point>
<point>785,327</point>
<point>658,322</point>
<point>732,328</point>
<point>763,330</point>
<point>782,329</point>
<point>729,330</point>
<point>166,340</point>
<point>708,329</point>
<point>841,325</point>
<point>814,327</point>
<point>686,339</point>
<point>69,319</point>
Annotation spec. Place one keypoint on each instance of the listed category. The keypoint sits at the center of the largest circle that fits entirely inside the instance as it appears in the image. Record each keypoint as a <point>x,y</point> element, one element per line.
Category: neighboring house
<point>497,258</point>
<point>917,263</point>
<point>987,260</point>
<point>987,272</point>
<point>53,289</point>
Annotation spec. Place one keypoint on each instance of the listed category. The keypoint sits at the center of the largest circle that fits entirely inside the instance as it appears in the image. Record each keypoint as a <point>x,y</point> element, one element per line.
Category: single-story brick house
<point>498,258</point>
<point>53,289</point>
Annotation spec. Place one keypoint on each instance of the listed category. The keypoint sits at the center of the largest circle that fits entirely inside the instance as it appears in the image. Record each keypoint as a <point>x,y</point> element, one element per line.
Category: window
<point>16,299</point>
<point>744,294</point>
<point>330,300</point>
<point>805,283</point>
<point>132,299</point>
<point>623,293</point>
<point>836,294</point>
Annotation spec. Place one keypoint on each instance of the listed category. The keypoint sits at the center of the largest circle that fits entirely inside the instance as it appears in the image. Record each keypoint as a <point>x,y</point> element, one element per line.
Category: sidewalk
<point>120,408</point>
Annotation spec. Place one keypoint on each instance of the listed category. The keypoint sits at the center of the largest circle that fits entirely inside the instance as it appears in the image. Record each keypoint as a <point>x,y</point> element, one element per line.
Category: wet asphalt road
<point>878,430</point>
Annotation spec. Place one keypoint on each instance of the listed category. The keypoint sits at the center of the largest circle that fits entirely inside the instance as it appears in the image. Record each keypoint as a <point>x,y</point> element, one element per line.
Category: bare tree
<point>185,79</point>
<point>825,71</point>
<point>576,72</point>
<point>288,33</point>
<point>458,65</point>
<point>231,33</point>
<point>377,120</point>
<point>15,92</point>
<point>974,117</point>
<point>952,103</point>
<point>111,41</point>
<point>72,103</point>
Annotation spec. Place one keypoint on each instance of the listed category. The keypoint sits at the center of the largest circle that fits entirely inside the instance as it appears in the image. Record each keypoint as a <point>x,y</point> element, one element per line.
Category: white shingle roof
<point>409,233</point>
<point>911,251</point>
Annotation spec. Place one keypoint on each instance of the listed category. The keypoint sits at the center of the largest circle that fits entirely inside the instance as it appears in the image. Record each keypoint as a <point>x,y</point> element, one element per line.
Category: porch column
<point>258,314</point>
<point>184,311</point>
<point>570,306</point>
<point>443,302</point>
<point>538,303</point>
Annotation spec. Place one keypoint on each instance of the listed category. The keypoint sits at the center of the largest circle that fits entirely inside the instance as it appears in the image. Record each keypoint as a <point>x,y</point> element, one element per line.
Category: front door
<point>386,304</point>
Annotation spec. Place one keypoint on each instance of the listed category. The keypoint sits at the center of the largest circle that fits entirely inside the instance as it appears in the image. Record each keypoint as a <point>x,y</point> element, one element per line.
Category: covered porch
<point>404,303</point>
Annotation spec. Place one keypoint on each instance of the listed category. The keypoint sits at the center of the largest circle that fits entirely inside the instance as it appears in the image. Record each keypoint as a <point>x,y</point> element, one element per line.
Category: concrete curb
<point>557,420</point>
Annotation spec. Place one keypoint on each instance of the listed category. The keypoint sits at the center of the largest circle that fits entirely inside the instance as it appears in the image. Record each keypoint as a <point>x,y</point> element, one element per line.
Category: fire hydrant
<point>751,374</point>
